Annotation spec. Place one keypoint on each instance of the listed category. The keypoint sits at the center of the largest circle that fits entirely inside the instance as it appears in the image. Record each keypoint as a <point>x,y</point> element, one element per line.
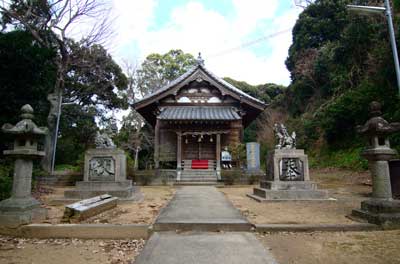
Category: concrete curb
<point>202,227</point>
<point>263,200</point>
<point>84,231</point>
<point>263,228</point>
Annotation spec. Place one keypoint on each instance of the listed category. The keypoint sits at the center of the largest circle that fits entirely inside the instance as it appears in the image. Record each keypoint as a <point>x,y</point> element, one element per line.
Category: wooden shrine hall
<point>195,117</point>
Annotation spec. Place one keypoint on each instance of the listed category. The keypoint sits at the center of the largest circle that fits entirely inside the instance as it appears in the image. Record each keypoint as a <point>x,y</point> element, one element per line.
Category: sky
<point>246,40</point>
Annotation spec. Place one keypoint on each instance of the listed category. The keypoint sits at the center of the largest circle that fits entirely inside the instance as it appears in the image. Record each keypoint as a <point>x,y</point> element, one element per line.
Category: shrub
<point>229,177</point>
<point>6,170</point>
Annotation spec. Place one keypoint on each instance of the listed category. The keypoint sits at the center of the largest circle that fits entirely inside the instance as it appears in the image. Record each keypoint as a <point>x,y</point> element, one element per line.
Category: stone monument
<point>104,173</point>
<point>287,175</point>
<point>22,208</point>
<point>381,208</point>
<point>253,157</point>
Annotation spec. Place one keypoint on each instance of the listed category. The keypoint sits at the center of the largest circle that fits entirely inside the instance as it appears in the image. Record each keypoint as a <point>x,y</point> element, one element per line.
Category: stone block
<point>284,185</point>
<point>288,178</point>
<point>379,211</point>
<point>105,165</point>
<point>89,207</point>
<point>276,164</point>
<point>284,195</point>
<point>104,173</point>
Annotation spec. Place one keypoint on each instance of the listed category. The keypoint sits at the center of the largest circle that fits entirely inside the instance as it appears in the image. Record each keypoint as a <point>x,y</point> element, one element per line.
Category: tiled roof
<point>199,113</point>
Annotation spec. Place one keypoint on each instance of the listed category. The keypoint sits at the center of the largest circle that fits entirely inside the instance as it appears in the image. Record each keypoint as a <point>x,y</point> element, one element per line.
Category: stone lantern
<point>22,208</point>
<point>381,208</point>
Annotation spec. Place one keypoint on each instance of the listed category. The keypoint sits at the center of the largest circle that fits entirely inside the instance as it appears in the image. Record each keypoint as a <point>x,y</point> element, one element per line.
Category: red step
<point>199,164</point>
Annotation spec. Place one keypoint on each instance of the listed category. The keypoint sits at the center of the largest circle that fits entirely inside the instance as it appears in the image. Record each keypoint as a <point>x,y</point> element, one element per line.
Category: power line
<point>249,43</point>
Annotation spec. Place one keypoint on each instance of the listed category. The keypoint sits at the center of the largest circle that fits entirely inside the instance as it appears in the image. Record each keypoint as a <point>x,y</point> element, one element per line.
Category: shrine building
<point>194,118</point>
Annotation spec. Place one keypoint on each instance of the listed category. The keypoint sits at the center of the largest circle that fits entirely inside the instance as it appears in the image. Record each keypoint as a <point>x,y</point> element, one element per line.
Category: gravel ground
<point>349,188</point>
<point>68,251</point>
<point>377,247</point>
<point>143,212</point>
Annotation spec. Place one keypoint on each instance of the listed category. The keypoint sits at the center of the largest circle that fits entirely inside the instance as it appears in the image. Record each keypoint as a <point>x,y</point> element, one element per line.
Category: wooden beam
<point>179,151</point>
<point>218,155</point>
<point>157,144</point>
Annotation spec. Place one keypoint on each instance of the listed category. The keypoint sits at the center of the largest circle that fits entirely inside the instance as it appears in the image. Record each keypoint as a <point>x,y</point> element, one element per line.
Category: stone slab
<point>89,207</point>
<point>204,248</point>
<point>261,195</point>
<point>200,208</point>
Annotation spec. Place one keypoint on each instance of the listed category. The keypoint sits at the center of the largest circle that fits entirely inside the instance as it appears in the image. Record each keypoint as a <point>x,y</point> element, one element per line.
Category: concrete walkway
<point>200,208</point>
<point>195,209</point>
<point>204,248</point>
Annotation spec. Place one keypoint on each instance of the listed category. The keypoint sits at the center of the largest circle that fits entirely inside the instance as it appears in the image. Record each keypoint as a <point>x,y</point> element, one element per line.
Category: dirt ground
<point>68,251</point>
<point>377,247</point>
<point>142,212</point>
<point>349,188</point>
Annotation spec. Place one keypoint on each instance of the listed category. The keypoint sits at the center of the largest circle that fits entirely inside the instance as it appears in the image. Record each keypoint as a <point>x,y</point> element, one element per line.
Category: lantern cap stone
<point>377,125</point>
<point>26,126</point>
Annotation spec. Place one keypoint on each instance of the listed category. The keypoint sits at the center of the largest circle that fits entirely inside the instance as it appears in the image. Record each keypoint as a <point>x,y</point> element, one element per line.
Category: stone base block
<point>15,219</point>
<point>380,212</point>
<point>288,185</point>
<point>261,194</point>
<point>85,190</point>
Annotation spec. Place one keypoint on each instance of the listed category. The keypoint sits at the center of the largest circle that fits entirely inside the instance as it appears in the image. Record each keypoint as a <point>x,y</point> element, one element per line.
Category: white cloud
<point>194,28</point>
<point>132,18</point>
<point>250,12</point>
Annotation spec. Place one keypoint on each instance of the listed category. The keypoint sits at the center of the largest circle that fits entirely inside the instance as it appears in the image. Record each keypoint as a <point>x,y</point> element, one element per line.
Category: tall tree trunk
<point>51,123</point>
<point>55,100</point>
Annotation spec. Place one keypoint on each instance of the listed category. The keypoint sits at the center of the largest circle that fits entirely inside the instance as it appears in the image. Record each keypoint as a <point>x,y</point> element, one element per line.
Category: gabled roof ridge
<point>192,70</point>
<point>230,86</point>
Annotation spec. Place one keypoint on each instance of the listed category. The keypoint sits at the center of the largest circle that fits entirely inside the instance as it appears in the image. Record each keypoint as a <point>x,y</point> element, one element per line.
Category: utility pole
<point>387,10</point>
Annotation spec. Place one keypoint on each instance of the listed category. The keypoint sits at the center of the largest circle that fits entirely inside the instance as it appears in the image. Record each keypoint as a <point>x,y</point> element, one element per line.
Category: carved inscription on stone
<point>291,169</point>
<point>102,169</point>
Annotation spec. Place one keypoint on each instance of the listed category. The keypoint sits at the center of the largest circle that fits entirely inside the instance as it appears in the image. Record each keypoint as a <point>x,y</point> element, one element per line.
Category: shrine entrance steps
<point>198,177</point>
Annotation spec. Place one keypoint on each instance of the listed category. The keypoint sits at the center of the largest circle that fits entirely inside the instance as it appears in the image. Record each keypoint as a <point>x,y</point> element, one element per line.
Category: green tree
<point>265,92</point>
<point>94,88</point>
<point>159,69</point>
<point>26,76</point>
<point>49,23</point>
<point>339,63</point>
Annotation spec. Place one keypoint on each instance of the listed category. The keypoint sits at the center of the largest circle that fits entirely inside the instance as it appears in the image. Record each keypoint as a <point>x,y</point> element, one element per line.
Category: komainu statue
<point>103,141</point>
<point>285,141</point>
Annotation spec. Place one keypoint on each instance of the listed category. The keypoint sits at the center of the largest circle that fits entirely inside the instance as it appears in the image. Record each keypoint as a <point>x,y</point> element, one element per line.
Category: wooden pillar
<point>218,156</point>
<point>157,145</point>
<point>179,156</point>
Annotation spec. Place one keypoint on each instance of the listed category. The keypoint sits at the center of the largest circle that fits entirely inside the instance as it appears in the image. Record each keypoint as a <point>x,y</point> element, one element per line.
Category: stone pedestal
<point>21,208</point>
<point>104,173</point>
<point>288,178</point>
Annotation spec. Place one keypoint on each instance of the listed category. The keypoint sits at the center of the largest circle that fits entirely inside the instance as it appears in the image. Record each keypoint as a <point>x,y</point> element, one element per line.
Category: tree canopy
<point>159,69</point>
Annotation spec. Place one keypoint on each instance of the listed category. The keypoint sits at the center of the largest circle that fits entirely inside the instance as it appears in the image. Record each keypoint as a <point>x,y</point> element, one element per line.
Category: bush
<point>6,170</point>
<point>144,177</point>
<point>229,177</point>
<point>346,159</point>
<point>252,179</point>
